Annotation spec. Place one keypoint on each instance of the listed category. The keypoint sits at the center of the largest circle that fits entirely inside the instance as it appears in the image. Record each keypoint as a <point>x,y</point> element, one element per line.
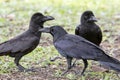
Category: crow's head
<point>39,18</point>
<point>37,21</point>
<point>55,31</point>
<point>88,17</point>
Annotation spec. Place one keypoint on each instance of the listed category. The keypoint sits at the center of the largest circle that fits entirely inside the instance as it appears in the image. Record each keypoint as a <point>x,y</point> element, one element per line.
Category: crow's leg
<point>69,60</point>
<point>73,64</point>
<point>20,67</point>
<point>17,59</point>
<point>85,66</point>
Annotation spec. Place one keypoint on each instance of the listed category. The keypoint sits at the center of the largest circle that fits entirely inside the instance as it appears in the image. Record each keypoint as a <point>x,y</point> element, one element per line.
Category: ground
<point>14,19</point>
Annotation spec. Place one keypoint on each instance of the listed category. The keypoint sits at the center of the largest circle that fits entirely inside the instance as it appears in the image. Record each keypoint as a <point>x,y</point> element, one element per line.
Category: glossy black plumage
<point>73,46</point>
<point>26,42</point>
<point>88,29</point>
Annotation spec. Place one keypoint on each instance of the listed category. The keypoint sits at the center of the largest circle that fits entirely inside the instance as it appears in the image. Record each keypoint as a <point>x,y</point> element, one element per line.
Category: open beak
<point>92,18</point>
<point>46,30</point>
<point>47,18</point>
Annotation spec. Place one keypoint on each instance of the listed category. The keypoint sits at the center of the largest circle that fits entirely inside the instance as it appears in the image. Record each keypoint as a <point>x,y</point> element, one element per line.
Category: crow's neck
<point>57,36</point>
<point>34,29</point>
<point>87,23</point>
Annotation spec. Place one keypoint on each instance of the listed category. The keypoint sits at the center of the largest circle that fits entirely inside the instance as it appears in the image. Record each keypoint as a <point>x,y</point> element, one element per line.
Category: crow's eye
<point>85,17</point>
<point>37,17</point>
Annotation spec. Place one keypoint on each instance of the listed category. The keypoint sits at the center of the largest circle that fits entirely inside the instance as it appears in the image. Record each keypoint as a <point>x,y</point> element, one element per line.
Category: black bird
<point>88,29</point>
<point>73,46</point>
<point>26,42</point>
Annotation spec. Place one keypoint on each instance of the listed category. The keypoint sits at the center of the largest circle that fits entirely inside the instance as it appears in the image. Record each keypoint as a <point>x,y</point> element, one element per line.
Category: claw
<point>31,70</point>
<point>64,73</point>
<point>55,58</point>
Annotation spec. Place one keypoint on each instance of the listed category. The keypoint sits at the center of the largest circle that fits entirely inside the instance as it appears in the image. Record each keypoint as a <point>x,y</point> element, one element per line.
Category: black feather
<point>73,46</point>
<point>26,42</point>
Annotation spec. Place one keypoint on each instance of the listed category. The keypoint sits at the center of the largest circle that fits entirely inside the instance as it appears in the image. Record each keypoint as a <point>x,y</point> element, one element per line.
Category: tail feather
<point>112,63</point>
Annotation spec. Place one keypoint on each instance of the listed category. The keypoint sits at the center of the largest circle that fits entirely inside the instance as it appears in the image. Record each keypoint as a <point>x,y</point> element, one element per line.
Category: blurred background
<point>14,19</point>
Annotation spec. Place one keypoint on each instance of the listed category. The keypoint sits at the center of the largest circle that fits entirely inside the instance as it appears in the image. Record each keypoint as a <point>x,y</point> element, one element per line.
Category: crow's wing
<point>78,47</point>
<point>99,35</point>
<point>81,30</point>
<point>77,30</point>
<point>19,44</point>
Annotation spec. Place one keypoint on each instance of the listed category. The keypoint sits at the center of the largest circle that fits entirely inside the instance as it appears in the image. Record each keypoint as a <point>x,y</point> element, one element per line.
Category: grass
<point>15,16</point>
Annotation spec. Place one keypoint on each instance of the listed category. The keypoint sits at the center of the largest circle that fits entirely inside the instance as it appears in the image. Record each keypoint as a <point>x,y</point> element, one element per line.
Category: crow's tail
<point>111,62</point>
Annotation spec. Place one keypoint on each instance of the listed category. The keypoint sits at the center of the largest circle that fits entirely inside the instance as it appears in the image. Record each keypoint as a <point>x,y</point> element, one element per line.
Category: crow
<point>72,46</point>
<point>88,29</point>
<point>26,42</point>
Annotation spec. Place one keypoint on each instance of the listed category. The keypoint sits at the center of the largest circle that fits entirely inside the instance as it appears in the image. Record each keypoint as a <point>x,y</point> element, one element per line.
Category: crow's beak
<point>92,18</point>
<point>47,18</point>
<point>46,30</point>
